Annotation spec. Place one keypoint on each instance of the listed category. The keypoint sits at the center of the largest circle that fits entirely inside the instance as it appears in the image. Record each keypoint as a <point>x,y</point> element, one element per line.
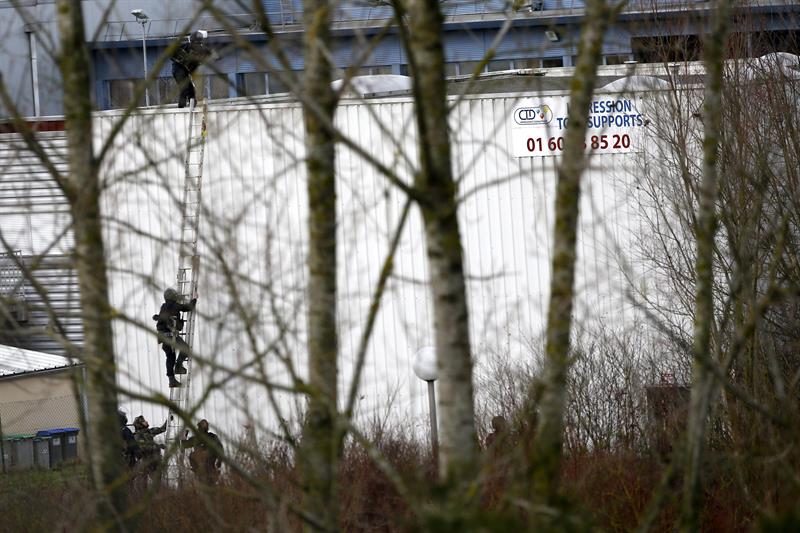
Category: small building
<point>37,392</point>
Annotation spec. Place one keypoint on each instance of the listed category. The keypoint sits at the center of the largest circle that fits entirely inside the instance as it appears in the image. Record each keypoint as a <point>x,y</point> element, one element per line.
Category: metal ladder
<point>188,268</point>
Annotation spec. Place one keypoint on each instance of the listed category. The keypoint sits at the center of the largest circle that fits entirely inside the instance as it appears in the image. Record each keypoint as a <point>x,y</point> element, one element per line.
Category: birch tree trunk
<point>320,446</point>
<point>702,380</point>
<point>458,449</point>
<point>547,445</point>
<point>83,192</point>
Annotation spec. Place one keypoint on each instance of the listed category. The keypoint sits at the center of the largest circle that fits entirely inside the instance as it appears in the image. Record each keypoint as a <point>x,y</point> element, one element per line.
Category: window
<point>498,64</point>
<point>165,91</point>
<point>253,83</point>
<point>120,93</point>
<point>776,41</point>
<point>553,62</point>
<point>450,70</point>
<point>218,86</point>
<point>527,63</point>
<point>467,68</point>
<point>275,84</point>
<point>371,71</point>
<point>616,59</point>
<point>547,62</point>
<point>666,48</point>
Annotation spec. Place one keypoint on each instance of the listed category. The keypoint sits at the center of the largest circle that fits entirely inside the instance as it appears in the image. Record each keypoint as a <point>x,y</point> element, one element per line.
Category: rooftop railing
<point>375,13</point>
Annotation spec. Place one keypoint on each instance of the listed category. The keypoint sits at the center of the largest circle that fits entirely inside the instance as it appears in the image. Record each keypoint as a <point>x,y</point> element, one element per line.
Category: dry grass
<point>610,489</point>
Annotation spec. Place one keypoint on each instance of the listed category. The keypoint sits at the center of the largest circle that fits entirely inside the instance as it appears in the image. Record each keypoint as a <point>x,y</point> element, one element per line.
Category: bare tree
<point>321,436</point>
<point>704,299</point>
<point>552,397</point>
<point>436,196</point>
<point>82,189</point>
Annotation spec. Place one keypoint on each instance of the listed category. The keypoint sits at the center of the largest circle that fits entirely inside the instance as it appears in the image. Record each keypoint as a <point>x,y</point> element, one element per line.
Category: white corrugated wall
<point>253,234</point>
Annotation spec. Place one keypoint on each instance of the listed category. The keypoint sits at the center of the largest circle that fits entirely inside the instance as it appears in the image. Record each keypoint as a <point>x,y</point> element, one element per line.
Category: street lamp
<point>142,18</point>
<point>425,369</point>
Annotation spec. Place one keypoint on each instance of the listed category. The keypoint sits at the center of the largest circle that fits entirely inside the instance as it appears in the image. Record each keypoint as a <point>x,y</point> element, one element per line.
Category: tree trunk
<point>320,446</point>
<point>83,192</point>
<point>458,449</point>
<point>702,380</point>
<point>547,446</point>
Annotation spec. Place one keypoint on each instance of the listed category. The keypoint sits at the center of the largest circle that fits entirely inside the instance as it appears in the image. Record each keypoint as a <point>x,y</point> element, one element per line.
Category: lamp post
<point>425,369</point>
<point>142,18</point>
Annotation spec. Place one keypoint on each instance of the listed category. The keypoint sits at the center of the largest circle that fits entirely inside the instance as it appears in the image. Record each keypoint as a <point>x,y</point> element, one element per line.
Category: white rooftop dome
<point>636,83</point>
<point>379,83</point>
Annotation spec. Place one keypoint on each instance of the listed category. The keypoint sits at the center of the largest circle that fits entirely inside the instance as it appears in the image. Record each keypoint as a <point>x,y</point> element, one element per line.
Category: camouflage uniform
<point>150,450</point>
<point>206,459</point>
<point>168,326</point>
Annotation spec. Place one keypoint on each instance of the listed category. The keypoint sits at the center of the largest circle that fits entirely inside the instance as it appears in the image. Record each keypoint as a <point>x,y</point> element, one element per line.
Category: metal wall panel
<point>34,220</point>
<point>464,46</point>
<point>530,42</point>
<point>617,41</point>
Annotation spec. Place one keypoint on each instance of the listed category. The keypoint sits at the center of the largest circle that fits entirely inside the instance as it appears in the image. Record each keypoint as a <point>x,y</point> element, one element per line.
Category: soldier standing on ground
<point>206,459</point>
<point>130,451</point>
<point>496,441</point>
<point>150,450</point>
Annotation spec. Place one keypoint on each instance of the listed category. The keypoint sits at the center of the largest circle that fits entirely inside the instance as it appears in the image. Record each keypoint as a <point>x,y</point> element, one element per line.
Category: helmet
<point>203,425</point>
<point>499,423</point>
<point>139,422</point>
<point>198,36</point>
<point>171,295</point>
<point>123,418</point>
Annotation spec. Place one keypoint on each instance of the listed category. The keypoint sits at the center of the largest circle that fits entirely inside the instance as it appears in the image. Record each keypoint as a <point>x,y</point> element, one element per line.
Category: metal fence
<point>21,443</point>
<point>12,284</point>
<point>29,416</point>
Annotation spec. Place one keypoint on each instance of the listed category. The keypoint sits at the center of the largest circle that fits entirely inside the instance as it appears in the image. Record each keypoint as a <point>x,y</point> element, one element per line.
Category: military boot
<point>173,383</point>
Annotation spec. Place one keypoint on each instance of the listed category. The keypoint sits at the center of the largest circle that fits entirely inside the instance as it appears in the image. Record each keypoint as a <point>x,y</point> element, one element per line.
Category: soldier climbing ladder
<point>188,268</point>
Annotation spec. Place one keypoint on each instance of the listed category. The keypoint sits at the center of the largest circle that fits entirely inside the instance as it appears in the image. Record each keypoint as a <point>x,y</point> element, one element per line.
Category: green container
<point>21,452</point>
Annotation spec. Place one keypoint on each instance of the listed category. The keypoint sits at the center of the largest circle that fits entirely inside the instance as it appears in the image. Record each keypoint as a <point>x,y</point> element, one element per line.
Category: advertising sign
<point>539,126</point>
